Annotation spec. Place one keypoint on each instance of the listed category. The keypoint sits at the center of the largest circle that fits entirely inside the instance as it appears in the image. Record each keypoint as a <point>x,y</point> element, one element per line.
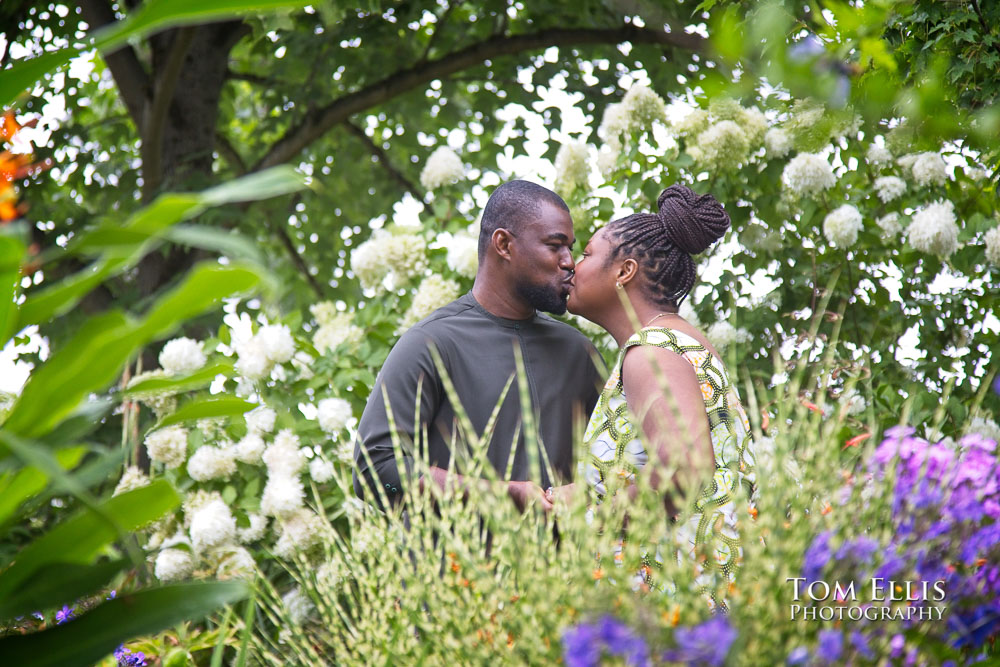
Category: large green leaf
<point>97,633</point>
<point>11,254</point>
<point>198,378</point>
<point>80,537</point>
<point>16,487</point>
<point>220,406</point>
<point>58,584</point>
<point>23,75</point>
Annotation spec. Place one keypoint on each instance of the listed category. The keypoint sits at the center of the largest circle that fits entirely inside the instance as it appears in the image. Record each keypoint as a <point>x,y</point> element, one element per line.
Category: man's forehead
<point>549,219</point>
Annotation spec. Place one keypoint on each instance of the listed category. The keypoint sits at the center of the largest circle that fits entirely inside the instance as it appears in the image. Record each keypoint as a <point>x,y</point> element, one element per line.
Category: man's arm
<point>408,366</point>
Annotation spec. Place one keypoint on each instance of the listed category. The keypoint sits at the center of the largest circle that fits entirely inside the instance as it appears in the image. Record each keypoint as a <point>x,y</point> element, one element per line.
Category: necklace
<point>654,318</point>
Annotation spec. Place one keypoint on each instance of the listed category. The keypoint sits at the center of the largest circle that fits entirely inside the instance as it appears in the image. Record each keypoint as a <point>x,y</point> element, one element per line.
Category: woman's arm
<point>662,391</point>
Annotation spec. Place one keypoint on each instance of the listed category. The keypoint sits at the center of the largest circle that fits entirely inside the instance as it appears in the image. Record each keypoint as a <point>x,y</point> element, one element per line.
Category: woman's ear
<point>627,271</point>
<point>501,242</point>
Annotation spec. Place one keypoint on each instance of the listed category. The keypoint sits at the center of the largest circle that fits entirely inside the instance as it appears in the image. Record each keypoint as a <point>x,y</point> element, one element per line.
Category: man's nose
<point>566,261</point>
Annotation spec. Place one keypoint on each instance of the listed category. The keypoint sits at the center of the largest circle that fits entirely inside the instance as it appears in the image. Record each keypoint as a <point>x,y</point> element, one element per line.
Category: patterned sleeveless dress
<point>616,448</point>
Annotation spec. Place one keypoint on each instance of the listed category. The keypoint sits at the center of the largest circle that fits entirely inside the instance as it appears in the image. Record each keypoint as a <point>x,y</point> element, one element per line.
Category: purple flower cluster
<point>705,644</point>
<point>126,658</point>
<point>584,644</point>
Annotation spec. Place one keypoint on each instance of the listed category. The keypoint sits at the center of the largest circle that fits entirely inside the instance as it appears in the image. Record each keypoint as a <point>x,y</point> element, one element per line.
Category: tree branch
<point>297,260</point>
<point>255,79</point>
<point>129,74</point>
<point>229,153</point>
<point>314,124</point>
<point>163,96</point>
<point>982,22</point>
<point>383,159</point>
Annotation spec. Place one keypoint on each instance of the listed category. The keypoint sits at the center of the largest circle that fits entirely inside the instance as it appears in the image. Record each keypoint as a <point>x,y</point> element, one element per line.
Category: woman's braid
<point>663,243</point>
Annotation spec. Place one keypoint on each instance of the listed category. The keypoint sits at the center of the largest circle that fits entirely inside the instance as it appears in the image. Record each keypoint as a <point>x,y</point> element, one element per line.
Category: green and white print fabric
<point>616,448</point>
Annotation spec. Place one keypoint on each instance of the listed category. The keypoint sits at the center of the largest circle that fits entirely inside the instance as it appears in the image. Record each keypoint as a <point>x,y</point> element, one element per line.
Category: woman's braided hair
<point>663,242</point>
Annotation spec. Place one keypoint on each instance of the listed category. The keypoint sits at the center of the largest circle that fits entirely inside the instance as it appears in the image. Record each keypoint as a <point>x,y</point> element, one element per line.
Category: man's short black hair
<point>511,205</point>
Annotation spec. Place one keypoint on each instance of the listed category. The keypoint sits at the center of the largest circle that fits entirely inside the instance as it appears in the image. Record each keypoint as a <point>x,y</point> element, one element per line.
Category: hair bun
<point>691,221</point>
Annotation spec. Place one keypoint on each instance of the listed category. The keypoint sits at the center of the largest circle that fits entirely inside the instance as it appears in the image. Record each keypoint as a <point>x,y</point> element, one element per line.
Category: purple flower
<point>860,644</point>
<point>704,644</point>
<point>996,384</point>
<point>817,556</point>
<point>126,658</point>
<point>112,595</point>
<point>798,656</point>
<point>63,615</point>
<point>896,646</point>
<point>584,644</point>
<point>831,645</point>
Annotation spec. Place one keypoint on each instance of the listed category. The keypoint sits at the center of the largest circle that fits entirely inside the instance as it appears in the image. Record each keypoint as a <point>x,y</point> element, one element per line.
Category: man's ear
<point>628,270</point>
<point>500,241</point>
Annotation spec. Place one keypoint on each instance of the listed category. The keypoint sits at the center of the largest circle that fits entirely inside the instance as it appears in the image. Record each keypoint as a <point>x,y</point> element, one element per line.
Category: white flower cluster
<point>212,525</point>
<point>644,107</point>
<point>443,167</point>
<point>298,606</point>
<point>854,402</point>
<point>272,344</point>
<point>255,531</point>
<point>284,492</point>
<point>335,330</point>
<point>934,230</point>
<point>723,136</point>
<point>878,155</point>
<point>167,445</point>
<point>722,333</point>
<point>778,143</point>
<point>173,564</point>
<point>986,428</point>
<point>233,562</point>
<point>321,470</point>
<point>249,449</point>
<point>614,124</point>
<point>210,462</point>
<point>808,174</point>
<point>333,414</point>
<point>927,168</point>
<point>463,254</point>
<point>181,356</point>
<point>993,246</point>
<point>433,293</point>
<point>299,531</point>
<point>132,478</point>
<point>160,402</point>
<point>723,144</point>
<point>890,224</point>
<point>394,258</point>
<point>889,188</point>
<point>261,419</point>
<point>841,226</point>
<point>572,167</point>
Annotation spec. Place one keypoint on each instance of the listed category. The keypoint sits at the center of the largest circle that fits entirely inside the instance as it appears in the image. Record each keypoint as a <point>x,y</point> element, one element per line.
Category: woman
<point>669,401</point>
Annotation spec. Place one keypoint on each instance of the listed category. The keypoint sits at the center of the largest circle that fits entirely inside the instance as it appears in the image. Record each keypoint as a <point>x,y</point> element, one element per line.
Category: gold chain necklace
<point>652,319</point>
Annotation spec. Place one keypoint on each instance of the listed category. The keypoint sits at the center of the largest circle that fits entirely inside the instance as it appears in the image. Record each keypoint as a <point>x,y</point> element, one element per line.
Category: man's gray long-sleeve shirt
<point>477,349</point>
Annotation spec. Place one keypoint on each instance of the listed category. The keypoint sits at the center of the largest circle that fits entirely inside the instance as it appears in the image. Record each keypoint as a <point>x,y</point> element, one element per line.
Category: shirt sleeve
<point>408,366</point>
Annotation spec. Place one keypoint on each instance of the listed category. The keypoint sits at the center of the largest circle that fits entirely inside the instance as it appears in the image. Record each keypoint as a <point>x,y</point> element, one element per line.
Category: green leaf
<point>220,406</point>
<point>11,254</point>
<point>261,185</point>
<point>80,537</point>
<point>17,487</point>
<point>23,75</point>
<point>60,583</point>
<point>97,633</point>
<point>180,383</point>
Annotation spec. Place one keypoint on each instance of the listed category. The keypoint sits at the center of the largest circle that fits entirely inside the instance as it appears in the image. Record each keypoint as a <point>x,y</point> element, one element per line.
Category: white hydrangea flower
<point>854,401</point>
<point>354,507</point>
<point>366,261</point>
<point>323,312</point>
<point>209,462</point>
<point>283,494</point>
<point>167,445</point>
<point>614,124</point>
<point>321,470</point>
<point>160,402</point>
<point>279,346</point>
<point>299,531</point>
<point>878,155</point>
<point>463,255</point>
<point>173,564</point>
<point>722,144</point>
<point>433,293</point>
<point>333,414</point>
<point>234,562</point>
<point>890,224</point>
<point>298,606</point>
<point>607,161</point>
<point>808,174</point>
<point>753,122</point>
<point>929,169</point>
<point>987,428</point>
<point>841,226</point>
<point>345,451</point>
<point>722,333</point>
<point>253,362</point>
<point>934,230</point>
<point>249,448</point>
<point>889,188</point>
<point>443,167</point>
<point>260,419</point>
<point>993,246</point>
<point>132,478</point>
<point>572,166</point>
<point>338,330</point>
<point>284,457</point>
<point>195,500</point>
<point>181,356</point>
<point>686,311</point>
<point>406,257</point>
<point>778,143</point>
<point>328,575</point>
<point>212,526</point>
<point>253,532</point>
<point>693,124</point>
<point>644,107</point>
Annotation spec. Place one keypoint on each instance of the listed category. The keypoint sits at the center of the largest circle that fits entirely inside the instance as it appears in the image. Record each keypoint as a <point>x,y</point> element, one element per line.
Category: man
<point>525,266</point>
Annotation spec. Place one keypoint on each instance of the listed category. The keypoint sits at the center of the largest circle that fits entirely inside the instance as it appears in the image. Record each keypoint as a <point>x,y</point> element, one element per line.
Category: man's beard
<point>542,297</point>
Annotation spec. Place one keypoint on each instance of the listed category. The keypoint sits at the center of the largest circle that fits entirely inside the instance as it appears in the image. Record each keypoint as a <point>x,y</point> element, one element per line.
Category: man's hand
<point>522,493</point>
<point>562,495</point>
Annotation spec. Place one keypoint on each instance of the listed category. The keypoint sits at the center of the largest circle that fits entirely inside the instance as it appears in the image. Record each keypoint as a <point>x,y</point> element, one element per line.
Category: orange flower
<point>857,440</point>
<point>980,562</point>
<point>10,126</point>
<point>827,508</point>
<point>455,567</point>
<point>510,640</point>
<point>675,616</point>
<point>753,511</point>
<point>812,406</point>
<point>598,574</point>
